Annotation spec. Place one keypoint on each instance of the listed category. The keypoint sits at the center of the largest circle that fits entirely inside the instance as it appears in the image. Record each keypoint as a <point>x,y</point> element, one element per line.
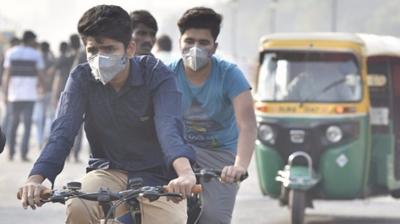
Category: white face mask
<point>106,67</point>
<point>195,58</point>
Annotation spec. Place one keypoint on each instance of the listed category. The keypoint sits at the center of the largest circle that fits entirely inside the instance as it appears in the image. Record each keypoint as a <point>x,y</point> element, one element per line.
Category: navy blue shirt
<point>138,129</point>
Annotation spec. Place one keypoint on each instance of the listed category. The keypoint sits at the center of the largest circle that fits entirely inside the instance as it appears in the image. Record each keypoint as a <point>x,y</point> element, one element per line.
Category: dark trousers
<point>18,110</point>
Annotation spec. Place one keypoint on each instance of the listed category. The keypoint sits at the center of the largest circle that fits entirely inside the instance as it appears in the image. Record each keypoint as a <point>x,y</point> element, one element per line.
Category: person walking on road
<point>6,110</point>
<point>61,70</point>
<point>42,105</point>
<point>79,57</point>
<point>23,76</point>
<point>163,49</point>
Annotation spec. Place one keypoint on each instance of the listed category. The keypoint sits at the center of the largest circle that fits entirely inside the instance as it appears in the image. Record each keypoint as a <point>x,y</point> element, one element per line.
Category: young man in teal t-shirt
<point>218,111</point>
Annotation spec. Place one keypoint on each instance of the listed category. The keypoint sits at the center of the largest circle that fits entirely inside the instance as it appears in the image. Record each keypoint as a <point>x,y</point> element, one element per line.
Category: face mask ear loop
<point>94,65</point>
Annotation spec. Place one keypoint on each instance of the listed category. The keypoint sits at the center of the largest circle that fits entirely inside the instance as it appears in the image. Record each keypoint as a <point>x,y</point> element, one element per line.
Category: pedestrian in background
<point>15,41</point>
<point>163,49</point>
<point>78,55</point>
<point>23,75</point>
<point>42,105</point>
<point>144,31</point>
<point>60,70</point>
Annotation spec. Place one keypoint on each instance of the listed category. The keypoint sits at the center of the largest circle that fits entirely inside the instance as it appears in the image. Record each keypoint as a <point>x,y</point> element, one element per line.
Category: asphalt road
<point>251,206</point>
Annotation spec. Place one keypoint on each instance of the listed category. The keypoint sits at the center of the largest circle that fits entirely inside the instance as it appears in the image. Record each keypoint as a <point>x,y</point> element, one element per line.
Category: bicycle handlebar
<point>48,195</point>
<point>154,192</point>
<point>207,174</point>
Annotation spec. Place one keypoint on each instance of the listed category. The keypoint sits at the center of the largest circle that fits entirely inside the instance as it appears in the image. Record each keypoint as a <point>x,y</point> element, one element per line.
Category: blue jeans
<point>17,110</point>
<point>40,117</point>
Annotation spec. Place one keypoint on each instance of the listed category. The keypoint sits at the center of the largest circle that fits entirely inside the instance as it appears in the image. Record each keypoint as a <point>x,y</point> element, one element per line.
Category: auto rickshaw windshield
<point>309,77</point>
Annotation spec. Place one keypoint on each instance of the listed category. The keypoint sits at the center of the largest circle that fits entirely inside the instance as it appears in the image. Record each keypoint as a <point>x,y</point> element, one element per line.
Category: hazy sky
<point>55,20</point>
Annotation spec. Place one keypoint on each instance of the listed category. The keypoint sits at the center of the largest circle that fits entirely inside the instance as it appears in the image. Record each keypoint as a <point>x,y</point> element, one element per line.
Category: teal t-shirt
<point>208,111</point>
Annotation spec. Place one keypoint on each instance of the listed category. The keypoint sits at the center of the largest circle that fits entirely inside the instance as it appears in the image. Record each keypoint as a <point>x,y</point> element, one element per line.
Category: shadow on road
<point>323,219</point>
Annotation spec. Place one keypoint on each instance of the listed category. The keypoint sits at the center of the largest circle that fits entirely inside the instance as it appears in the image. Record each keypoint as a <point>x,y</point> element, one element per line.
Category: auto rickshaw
<point>328,112</point>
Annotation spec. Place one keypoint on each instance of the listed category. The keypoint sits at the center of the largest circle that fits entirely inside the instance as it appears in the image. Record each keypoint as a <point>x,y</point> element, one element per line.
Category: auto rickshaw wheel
<point>297,205</point>
<point>395,193</point>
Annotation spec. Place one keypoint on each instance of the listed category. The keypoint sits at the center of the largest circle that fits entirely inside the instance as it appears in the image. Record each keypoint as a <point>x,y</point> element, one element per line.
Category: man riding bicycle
<point>131,113</point>
<point>218,111</point>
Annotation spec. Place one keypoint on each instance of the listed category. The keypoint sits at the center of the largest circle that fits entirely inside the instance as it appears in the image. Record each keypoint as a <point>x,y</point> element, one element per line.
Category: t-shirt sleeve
<point>235,83</point>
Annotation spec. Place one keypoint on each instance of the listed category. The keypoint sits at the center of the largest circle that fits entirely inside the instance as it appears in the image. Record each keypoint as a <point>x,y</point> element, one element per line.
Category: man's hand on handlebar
<point>183,184</point>
<point>30,192</point>
<point>185,181</point>
<point>232,173</point>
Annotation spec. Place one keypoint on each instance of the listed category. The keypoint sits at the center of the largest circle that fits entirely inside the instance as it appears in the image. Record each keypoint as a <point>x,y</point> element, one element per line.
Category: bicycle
<point>135,190</point>
<point>109,200</point>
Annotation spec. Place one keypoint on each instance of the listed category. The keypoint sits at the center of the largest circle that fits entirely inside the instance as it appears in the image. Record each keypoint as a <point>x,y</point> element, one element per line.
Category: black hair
<point>75,41</point>
<point>45,46</point>
<point>143,17</point>
<point>63,47</point>
<point>28,37</point>
<point>164,43</point>
<point>201,18</point>
<point>106,21</point>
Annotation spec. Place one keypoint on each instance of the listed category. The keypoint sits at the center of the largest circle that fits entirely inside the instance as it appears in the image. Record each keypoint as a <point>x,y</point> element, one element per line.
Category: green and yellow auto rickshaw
<point>328,110</point>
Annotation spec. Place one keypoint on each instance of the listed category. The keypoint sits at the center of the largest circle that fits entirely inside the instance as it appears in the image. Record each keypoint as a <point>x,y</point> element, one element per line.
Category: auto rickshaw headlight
<point>334,134</point>
<point>266,133</point>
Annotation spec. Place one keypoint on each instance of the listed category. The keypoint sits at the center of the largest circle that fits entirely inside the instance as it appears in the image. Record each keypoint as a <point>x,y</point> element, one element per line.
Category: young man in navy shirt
<point>131,113</point>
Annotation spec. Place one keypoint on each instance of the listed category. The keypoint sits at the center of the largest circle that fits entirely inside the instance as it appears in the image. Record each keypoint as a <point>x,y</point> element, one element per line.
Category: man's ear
<point>179,42</point>
<point>131,49</point>
<point>215,47</point>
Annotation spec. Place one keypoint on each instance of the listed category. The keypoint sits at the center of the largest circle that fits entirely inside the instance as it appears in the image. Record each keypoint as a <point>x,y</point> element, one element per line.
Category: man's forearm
<point>36,179</point>
<point>246,144</point>
<point>182,166</point>
<point>247,125</point>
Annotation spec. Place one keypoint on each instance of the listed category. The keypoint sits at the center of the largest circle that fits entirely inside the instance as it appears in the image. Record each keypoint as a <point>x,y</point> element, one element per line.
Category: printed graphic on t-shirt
<point>199,125</point>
